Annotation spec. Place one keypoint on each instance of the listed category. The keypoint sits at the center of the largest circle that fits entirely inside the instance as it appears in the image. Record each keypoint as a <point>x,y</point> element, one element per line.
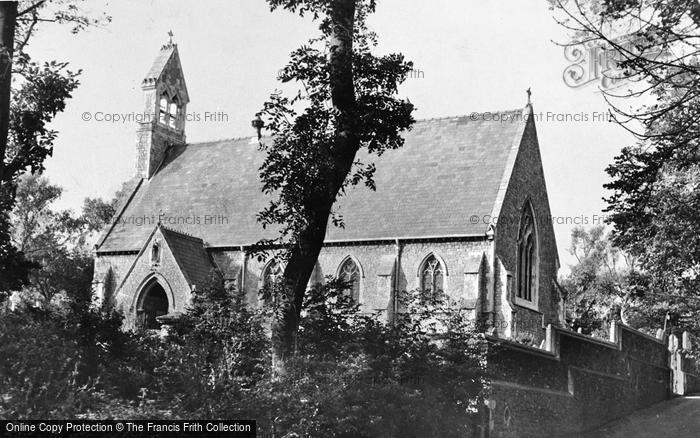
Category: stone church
<point>461,209</point>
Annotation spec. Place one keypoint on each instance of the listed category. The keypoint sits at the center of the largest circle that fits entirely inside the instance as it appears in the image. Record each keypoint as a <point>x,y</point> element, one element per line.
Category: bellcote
<point>165,108</point>
<point>164,89</point>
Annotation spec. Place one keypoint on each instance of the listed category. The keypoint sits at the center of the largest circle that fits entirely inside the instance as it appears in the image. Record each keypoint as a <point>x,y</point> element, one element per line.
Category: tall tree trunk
<point>300,265</point>
<point>8,15</point>
<point>304,254</point>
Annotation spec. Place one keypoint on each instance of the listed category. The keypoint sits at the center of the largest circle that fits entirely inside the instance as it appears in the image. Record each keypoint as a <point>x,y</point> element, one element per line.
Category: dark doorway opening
<point>153,304</point>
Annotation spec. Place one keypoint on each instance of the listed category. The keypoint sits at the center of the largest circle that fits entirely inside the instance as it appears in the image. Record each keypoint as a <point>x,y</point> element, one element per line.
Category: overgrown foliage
<point>354,374</point>
<point>606,284</point>
<point>653,206</point>
<point>56,243</point>
<point>53,360</point>
<point>598,285</point>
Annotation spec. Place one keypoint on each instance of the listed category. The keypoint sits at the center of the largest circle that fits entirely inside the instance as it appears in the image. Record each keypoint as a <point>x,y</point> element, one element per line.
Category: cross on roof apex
<point>169,44</point>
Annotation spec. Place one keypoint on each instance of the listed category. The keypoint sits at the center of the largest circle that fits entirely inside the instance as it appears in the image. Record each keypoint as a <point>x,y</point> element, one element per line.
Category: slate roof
<point>159,65</point>
<point>190,255</point>
<point>448,170</point>
<point>160,62</point>
<point>189,252</point>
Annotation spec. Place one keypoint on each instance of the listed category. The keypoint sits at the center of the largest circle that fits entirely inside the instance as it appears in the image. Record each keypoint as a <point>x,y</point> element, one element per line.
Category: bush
<point>217,351</point>
<point>51,361</point>
<point>353,376</point>
<point>32,386</point>
<point>357,376</point>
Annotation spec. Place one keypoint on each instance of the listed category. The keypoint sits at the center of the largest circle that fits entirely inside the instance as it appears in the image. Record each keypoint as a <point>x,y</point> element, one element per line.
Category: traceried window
<point>272,274</point>
<point>527,257</point>
<point>432,277</point>
<point>349,272</point>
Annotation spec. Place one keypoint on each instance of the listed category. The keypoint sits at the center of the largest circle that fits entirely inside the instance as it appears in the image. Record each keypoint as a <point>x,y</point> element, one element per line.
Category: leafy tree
<point>31,94</point>
<point>55,242</point>
<point>655,45</point>
<point>652,43</point>
<point>8,14</point>
<point>608,284</point>
<point>346,102</point>
<point>671,255</point>
<point>33,220</point>
<point>97,212</point>
<point>90,356</point>
<point>598,284</point>
<point>14,271</point>
<point>38,92</point>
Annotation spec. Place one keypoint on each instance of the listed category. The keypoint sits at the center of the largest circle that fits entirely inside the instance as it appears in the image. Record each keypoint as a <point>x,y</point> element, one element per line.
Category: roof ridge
<point>221,140</point>
<point>430,119</point>
<point>512,110</point>
<point>182,234</point>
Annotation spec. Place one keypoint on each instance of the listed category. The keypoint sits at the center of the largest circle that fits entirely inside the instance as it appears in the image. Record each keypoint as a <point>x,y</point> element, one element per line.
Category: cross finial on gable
<point>170,34</point>
<point>529,93</point>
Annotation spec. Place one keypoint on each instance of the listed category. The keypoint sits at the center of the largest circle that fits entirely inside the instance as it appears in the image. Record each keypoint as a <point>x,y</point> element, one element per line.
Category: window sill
<point>532,305</point>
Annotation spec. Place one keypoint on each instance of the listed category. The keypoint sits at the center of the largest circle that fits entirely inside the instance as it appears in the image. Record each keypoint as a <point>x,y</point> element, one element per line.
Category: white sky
<point>474,55</point>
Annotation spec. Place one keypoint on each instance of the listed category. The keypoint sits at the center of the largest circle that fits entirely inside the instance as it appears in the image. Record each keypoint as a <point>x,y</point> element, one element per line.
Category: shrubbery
<point>52,361</point>
<point>353,374</point>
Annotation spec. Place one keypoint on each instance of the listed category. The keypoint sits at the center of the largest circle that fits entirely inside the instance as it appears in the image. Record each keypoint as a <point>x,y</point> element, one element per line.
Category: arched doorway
<point>152,304</point>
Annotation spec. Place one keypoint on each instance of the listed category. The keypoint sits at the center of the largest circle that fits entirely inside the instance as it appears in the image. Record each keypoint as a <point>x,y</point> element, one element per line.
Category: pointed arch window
<point>432,277</point>
<point>155,253</point>
<point>169,111</point>
<point>349,272</point>
<point>174,113</point>
<point>527,257</point>
<point>272,273</point>
<point>163,113</point>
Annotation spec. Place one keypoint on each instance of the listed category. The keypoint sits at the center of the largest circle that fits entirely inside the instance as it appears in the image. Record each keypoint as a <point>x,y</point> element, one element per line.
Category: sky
<point>468,55</point>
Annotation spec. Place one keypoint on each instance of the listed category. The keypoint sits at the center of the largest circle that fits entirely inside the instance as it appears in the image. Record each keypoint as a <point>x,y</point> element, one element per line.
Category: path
<point>677,418</point>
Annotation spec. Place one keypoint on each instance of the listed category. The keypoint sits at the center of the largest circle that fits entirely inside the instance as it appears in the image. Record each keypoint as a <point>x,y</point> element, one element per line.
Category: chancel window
<point>432,277</point>
<point>527,257</point>
<point>349,272</point>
